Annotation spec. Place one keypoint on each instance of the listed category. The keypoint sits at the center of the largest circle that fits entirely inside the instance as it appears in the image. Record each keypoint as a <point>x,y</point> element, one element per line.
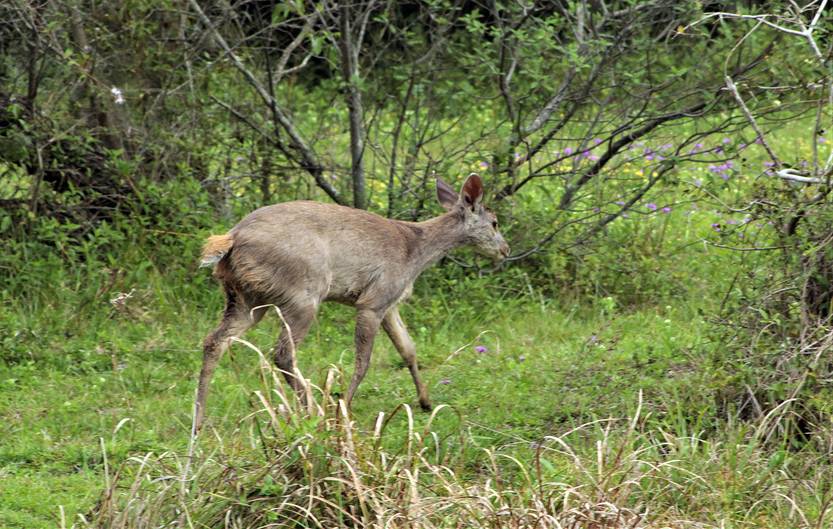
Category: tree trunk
<point>350,74</point>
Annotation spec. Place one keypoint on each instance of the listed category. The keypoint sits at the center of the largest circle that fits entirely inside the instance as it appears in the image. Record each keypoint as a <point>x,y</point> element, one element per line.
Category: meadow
<point>125,387</point>
<point>591,411</point>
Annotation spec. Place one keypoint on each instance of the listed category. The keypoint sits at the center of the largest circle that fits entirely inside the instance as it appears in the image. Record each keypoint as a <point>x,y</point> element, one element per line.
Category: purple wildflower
<point>822,139</point>
<point>769,164</point>
<point>596,210</point>
<point>481,349</point>
<point>698,182</point>
<point>445,381</point>
<point>585,154</point>
<point>727,141</point>
<point>620,202</point>
<point>716,226</point>
<point>568,151</point>
<point>651,206</point>
<point>597,141</point>
<point>484,165</point>
<point>666,209</point>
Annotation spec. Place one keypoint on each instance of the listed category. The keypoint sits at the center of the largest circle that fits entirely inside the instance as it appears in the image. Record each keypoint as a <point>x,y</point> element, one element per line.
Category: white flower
<point>117,95</point>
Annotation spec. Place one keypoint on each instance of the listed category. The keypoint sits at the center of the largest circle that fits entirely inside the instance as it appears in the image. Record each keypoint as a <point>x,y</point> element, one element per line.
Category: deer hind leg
<point>237,319</point>
<point>398,334</point>
<point>367,325</point>
<point>298,319</point>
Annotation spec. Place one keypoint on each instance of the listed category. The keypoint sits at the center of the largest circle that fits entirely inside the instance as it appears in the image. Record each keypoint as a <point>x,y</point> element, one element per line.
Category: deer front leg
<point>398,334</point>
<point>367,325</point>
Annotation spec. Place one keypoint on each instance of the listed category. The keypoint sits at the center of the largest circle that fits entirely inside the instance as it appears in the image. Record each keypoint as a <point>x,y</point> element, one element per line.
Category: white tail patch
<point>211,260</point>
<point>215,248</point>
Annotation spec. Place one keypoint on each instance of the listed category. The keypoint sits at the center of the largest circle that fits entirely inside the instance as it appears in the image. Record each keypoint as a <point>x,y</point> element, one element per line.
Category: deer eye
<point>494,224</point>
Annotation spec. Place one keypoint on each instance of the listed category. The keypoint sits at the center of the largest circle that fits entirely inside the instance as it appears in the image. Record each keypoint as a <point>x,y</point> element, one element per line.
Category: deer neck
<point>434,238</point>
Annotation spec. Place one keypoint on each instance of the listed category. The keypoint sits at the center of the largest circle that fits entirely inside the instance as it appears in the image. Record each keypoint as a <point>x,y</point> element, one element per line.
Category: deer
<point>297,255</point>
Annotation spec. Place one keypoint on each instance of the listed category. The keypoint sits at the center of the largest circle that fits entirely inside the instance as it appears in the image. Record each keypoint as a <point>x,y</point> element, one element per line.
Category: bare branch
<point>571,189</point>
<point>282,70</point>
<point>792,175</point>
<point>764,19</point>
<point>551,105</point>
<point>309,160</point>
<point>752,121</point>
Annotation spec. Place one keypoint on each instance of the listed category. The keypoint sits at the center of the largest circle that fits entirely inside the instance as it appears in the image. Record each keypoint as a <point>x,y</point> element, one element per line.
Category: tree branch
<point>309,161</point>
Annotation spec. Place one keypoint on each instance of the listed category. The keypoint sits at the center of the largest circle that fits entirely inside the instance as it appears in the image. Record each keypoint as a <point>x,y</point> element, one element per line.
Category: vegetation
<point>654,353</point>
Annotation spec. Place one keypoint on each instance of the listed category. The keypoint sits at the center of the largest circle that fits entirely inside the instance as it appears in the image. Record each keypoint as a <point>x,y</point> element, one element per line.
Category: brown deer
<point>297,255</point>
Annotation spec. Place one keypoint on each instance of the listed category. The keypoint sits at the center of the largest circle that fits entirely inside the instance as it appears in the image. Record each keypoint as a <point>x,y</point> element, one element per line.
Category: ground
<point>126,385</point>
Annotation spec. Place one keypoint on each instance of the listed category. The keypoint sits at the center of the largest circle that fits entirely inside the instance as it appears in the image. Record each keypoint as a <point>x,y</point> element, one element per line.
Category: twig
<point>751,119</point>
<point>790,174</point>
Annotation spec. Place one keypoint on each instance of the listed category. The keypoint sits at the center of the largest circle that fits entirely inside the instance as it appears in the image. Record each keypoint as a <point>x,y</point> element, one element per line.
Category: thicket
<point>156,120</point>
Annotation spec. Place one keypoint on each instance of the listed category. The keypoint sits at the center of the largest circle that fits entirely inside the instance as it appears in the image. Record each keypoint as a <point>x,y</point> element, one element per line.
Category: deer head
<point>479,225</point>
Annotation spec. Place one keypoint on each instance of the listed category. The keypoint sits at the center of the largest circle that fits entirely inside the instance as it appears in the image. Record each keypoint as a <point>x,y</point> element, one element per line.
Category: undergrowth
<point>304,462</point>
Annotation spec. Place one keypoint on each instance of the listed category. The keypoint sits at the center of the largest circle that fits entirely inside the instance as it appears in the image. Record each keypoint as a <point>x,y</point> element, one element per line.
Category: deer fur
<point>215,248</point>
<point>297,255</point>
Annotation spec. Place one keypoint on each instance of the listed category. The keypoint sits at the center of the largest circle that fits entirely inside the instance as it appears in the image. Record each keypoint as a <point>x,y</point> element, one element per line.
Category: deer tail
<point>216,247</point>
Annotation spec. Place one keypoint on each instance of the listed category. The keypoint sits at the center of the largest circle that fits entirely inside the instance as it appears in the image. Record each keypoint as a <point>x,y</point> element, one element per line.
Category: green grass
<point>546,369</point>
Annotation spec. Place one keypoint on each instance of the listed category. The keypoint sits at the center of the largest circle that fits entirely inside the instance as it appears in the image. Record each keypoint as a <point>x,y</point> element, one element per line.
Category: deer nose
<point>504,250</point>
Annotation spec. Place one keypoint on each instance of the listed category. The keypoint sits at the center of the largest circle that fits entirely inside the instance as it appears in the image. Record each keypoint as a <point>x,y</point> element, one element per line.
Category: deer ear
<point>446,195</point>
<point>472,191</point>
